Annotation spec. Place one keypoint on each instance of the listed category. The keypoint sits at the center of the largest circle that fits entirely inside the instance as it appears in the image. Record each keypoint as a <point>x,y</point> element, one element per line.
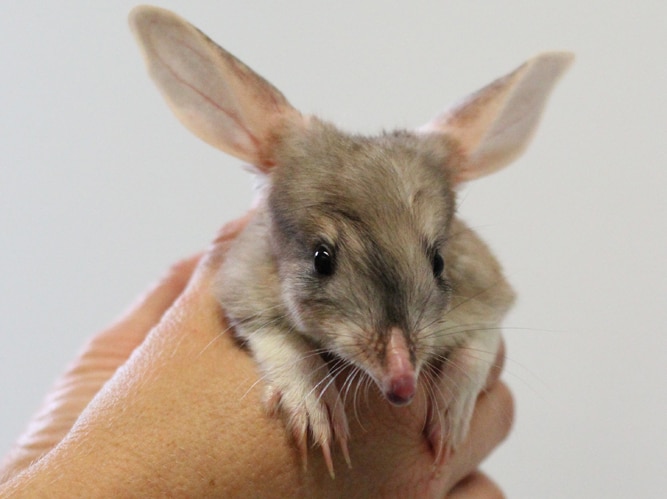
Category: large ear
<point>492,126</point>
<point>216,96</point>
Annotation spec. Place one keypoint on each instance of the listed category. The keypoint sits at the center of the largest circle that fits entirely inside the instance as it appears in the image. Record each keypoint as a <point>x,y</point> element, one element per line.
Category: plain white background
<point>101,189</point>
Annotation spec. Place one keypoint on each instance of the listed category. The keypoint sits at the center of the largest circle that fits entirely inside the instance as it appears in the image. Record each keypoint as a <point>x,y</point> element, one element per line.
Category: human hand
<point>164,402</point>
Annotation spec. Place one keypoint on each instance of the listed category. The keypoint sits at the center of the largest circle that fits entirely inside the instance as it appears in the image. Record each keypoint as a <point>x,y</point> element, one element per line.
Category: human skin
<point>165,403</point>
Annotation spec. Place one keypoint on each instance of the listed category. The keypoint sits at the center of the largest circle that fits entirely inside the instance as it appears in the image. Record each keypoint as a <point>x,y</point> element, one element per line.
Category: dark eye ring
<point>323,260</point>
<point>438,264</point>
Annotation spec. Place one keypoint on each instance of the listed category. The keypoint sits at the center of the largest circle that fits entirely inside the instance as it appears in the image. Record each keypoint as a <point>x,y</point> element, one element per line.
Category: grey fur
<point>385,204</point>
<point>385,207</point>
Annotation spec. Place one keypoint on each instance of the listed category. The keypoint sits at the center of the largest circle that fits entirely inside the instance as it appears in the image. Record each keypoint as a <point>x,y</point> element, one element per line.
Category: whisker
<point>344,390</point>
<point>259,380</point>
<point>213,340</point>
<point>471,298</point>
<point>419,318</point>
<point>355,400</point>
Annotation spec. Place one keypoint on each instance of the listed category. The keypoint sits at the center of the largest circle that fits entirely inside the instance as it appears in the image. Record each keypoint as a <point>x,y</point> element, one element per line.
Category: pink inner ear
<point>215,95</point>
<point>494,125</point>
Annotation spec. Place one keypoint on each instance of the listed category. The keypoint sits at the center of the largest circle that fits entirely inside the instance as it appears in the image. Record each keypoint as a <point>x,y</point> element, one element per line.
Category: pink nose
<point>401,389</point>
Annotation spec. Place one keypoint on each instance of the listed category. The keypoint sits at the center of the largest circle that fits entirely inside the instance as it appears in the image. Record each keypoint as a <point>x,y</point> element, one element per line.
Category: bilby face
<point>359,228</point>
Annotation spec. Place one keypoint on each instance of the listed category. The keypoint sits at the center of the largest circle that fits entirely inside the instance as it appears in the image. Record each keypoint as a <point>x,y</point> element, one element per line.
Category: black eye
<point>323,260</point>
<point>438,264</point>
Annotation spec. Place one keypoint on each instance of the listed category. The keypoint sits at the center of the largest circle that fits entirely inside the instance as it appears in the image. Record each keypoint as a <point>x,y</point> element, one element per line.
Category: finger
<point>477,486</point>
<point>231,229</point>
<point>491,423</point>
<point>100,358</point>
<point>108,350</point>
<point>216,253</point>
<point>131,328</point>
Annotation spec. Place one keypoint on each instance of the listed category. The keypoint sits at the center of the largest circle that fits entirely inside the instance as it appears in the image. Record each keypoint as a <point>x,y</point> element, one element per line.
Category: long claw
<point>436,440</point>
<point>346,452</point>
<point>326,451</point>
<point>272,401</point>
<point>312,420</point>
<point>302,443</point>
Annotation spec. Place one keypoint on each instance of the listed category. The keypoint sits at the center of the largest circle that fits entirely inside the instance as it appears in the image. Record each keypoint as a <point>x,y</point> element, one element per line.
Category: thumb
<point>97,362</point>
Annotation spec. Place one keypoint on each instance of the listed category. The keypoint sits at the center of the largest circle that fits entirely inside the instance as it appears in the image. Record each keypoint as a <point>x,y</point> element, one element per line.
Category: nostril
<point>401,390</point>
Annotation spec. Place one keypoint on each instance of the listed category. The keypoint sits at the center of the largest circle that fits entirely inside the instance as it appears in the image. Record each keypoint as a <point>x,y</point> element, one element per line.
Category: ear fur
<point>492,126</point>
<point>216,96</point>
<point>225,103</point>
